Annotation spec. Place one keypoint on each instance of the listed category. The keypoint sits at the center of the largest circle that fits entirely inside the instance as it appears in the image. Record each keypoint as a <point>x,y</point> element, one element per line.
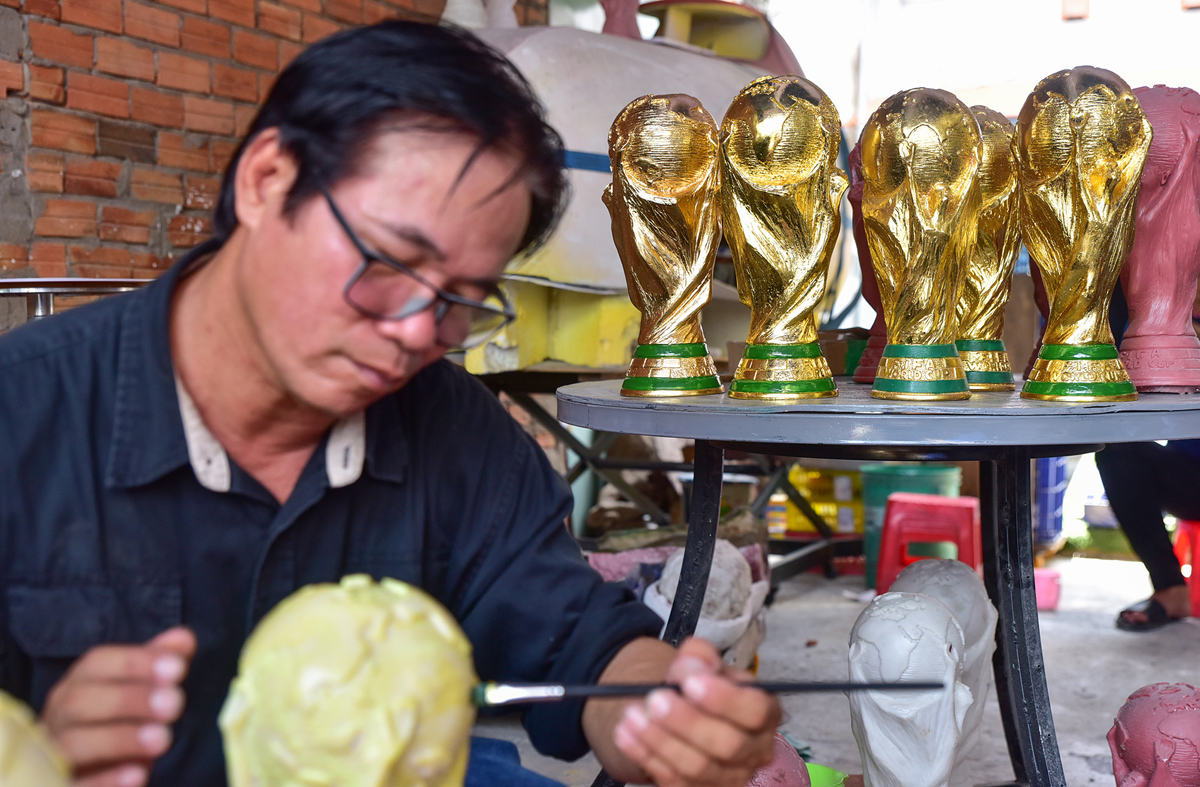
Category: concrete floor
<point>1091,667</point>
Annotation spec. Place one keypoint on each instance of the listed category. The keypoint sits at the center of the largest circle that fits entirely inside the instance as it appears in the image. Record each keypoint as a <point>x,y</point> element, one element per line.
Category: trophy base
<point>986,364</point>
<point>1169,364</point>
<point>782,371</point>
<point>671,370</point>
<point>868,363</point>
<point>920,373</point>
<point>1079,373</point>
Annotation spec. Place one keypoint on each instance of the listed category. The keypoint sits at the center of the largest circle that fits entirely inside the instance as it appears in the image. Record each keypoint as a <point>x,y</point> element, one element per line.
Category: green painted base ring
<point>694,350</point>
<point>990,378</point>
<point>702,383</point>
<point>1078,352</point>
<point>822,385</point>
<point>920,351</point>
<point>1034,388</point>
<point>979,345</point>
<point>766,351</point>
<point>887,385</point>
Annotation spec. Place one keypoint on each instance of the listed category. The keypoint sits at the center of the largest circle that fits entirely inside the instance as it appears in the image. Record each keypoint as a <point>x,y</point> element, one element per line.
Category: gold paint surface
<point>356,684</point>
<point>780,191</point>
<point>985,360</point>
<point>1080,145</point>
<point>661,393</point>
<point>921,199</point>
<point>783,369</point>
<point>666,220</point>
<point>782,397</point>
<point>1109,370</point>
<point>672,367</point>
<point>897,396</point>
<point>920,369</point>
<point>988,278</point>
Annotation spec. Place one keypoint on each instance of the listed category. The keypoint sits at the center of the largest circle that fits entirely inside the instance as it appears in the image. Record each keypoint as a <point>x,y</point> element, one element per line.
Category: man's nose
<point>416,332</point>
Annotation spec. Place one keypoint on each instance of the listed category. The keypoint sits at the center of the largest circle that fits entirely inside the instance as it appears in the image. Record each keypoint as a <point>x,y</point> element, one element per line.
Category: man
<point>274,411</point>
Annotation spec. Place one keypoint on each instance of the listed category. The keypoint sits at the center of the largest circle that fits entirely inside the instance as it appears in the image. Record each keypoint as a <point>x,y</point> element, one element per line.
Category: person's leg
<point>1142,480</point>
<point>496,763</point>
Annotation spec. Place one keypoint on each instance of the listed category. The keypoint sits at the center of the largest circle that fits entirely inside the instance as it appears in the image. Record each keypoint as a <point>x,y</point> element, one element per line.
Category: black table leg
<point>697,554</point>
<point>1008,573</point>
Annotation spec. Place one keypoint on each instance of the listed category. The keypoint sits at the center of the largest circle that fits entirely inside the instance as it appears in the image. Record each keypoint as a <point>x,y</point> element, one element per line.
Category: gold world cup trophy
<point>920,161</point>
<point>780,189</point>
<point>988,279</point>
<point>1080,146</point>
<point>666,223</point>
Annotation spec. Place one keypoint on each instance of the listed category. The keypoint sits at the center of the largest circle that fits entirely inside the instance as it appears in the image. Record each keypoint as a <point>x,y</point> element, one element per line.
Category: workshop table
<point>998,429</point>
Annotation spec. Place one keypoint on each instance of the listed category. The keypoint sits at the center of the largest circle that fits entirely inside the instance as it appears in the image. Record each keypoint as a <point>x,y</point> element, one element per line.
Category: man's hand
<point>715,733</point>
<point>109,715</point>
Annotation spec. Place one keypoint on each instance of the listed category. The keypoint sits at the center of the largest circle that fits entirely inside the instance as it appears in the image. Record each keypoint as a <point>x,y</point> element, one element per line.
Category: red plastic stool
<point>1187,544</point>
<point>926,518</point>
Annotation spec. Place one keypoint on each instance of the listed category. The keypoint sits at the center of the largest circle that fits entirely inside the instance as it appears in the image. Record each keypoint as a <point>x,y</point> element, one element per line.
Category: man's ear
<point>265,174</point>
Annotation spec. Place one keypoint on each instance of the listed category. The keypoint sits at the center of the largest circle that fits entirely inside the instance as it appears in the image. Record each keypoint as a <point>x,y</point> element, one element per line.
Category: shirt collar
<point>157,428</point>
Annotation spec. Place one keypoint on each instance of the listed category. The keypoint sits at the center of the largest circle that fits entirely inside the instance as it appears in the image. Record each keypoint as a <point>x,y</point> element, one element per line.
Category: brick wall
<point>118,117</point>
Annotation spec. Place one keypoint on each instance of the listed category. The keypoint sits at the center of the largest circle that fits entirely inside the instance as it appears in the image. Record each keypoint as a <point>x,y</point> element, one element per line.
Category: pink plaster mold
<point>869,362</point>
<point>620,18</point>
<point>786,770</point>
<point>1160,349</point>
<point>1155,739</point>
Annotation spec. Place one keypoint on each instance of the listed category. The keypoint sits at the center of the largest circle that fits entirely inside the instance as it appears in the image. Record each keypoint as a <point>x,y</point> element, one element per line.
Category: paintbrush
<point>492,695</point>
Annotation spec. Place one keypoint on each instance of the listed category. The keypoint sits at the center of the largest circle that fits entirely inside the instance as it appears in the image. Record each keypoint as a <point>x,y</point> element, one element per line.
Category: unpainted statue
<point>1155,739</point>
<point>908,739</point>
<point>956,585</point>
<point>1160,349</point>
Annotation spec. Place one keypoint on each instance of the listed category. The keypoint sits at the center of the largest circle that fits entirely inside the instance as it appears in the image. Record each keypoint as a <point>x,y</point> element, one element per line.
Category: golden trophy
<point>666,224</point>
<point>988,280</point>
<point>1080,145</point>
<point>780,189</point>
<point>920,161</point>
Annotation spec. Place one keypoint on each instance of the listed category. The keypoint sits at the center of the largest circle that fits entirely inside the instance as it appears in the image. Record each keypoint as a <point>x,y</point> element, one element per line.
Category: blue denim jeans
<point>496,763</point>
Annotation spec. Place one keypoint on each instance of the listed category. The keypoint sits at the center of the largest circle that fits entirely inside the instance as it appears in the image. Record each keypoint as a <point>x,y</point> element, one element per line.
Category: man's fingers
<point>695,657</point>
<point>749,708</point>
<point>179,640</point>
<point>84,703</point>
<point>714,737</point>
<point>128,664</point>
<point>121,776</point>
<point>86,748</point>
<point>670,760</point>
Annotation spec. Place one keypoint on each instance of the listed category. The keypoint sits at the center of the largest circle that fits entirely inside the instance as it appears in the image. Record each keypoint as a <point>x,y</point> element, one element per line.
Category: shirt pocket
<point>64,621</point>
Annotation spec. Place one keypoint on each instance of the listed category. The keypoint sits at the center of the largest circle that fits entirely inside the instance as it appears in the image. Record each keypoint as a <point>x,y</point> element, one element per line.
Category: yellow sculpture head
<point>357,684</point>
<point>27,757</point>
<point>920,160</point>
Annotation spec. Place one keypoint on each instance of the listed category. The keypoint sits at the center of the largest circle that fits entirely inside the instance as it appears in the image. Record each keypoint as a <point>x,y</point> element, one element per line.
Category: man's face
<point>406,205</point>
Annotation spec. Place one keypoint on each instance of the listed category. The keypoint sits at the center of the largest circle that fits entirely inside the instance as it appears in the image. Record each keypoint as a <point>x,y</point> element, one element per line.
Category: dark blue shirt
<point>106,536</point>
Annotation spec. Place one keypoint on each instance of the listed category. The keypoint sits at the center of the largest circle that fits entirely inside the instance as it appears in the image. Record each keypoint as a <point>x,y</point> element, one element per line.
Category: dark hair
<point>332,100</point>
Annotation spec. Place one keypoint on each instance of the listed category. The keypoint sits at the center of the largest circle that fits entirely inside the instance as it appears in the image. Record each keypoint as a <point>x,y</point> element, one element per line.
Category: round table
<point>998,429</point>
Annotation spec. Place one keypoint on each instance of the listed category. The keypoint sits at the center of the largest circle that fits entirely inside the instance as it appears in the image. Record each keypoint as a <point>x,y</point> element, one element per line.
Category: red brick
<point>316,28</point>
<point>97,94</point>
<point>59,45</point>
<point>148,266</point>
<point>126,226</point>
<point>279,19</point>
<point>124,58</point>
<point>13,257</point>
<point>100,14</point>
<point>47,8</point>
<point>255,50</point>
<point>200,193</point>
<point>44,172</point>
<point>158,108</point>
<point>243,116</point>
<point>187,231</point>
<point>65,218</point>
<point>350,11</point>
<point>102,262</point>
<point>125,141</point>
<point>49,259</point>
<point>222,154</point>
<point>195,6</point>
<point>209,115</point>
<point>240,12</point>
<point>204,38</point>
<point>175,150</point>
<point>61,131</point>
<point>433,10</point>
<point>92,178</point>
<point>155,186</point>
<point>306,5</point>
<point>46,84</point>
<point>377,12</point>
<point>152,24</point>
<point>288,52</point>
<point>234,82</point>
<point>183,73</point>
<point>12,77</point>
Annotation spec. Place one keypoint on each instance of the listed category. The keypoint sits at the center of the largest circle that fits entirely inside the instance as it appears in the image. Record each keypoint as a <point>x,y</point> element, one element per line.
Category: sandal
<point>1156,616</point>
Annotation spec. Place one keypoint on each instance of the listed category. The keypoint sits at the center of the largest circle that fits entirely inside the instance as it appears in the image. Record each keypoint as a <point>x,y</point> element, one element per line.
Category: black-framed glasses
<point>386,289</point>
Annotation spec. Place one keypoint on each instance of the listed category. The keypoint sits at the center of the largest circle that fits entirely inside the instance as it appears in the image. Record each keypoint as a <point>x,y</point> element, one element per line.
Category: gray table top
<point>854,418</point>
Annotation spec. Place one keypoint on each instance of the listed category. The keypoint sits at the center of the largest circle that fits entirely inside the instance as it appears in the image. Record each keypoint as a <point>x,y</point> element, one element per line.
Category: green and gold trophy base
<point>671,370</point>
<point>1079,373</point>
<point>920,373</point>
<point>986,364</point>
<point>782,371</point>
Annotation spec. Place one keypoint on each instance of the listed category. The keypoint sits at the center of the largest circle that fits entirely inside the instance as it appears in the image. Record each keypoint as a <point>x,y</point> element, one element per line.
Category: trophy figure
<point>868,363</point>
<point>988,280</point>
<point>666,223</point>
<point>920,160</point>
<point>780,189</point>
<point>1080,145</point>
<point>1160,350</point>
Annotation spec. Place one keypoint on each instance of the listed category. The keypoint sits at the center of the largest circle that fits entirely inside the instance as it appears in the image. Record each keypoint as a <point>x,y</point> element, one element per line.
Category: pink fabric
<point>614,566</point>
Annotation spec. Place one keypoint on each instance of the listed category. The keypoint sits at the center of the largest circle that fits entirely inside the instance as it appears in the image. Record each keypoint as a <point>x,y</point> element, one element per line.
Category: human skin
<point>274,356</point>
